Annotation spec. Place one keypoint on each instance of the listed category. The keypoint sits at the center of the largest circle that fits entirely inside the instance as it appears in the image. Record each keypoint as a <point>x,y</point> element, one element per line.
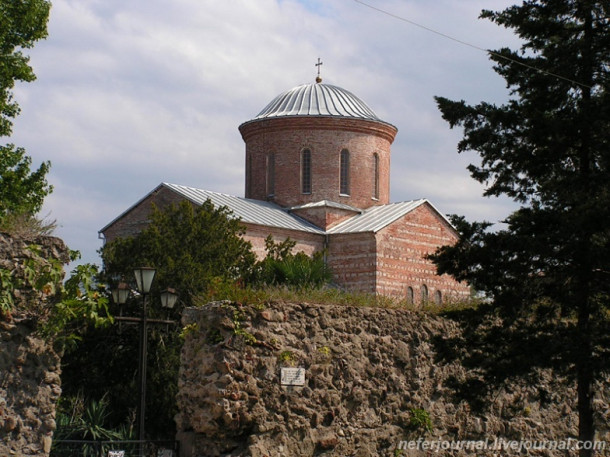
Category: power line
<point>465,43</point>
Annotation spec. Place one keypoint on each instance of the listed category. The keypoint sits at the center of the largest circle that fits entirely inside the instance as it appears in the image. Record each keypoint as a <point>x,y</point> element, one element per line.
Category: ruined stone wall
<point>367,370</point>
<point>29,367</point>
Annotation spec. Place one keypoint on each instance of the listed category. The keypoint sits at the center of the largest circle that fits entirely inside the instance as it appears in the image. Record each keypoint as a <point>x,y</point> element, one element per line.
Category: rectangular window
<point>306,171</point>
<point>248,176</point>
<point>344,178</point>
<point>271,175</point>
<point>376,176</point>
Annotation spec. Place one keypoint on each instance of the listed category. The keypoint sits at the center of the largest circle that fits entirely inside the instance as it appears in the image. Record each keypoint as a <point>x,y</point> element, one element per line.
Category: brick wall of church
<point>401,263</point>
<point>385,263</point>
<point>352,259</point>
<point>305,242</point>
<point>138,217</point>
<point>325,138</point>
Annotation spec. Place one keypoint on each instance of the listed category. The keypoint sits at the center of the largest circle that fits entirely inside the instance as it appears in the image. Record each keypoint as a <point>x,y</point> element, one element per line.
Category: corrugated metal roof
<point>317,100</point>
<point>269,214</point>
<point>375,218</point>
<point>251,211</point>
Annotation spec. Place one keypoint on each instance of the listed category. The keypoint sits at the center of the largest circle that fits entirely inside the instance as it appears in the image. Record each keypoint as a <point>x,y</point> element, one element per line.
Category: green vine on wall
<point>7,287</point>
<point>79,302</point>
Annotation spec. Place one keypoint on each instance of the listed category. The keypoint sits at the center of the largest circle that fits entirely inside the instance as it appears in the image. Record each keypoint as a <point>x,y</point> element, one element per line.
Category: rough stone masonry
<point>370,382</point>
<point>29,367</point>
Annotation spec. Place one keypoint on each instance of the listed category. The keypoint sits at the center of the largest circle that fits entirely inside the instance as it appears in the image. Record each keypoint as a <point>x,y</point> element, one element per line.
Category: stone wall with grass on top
<point>372,380</point>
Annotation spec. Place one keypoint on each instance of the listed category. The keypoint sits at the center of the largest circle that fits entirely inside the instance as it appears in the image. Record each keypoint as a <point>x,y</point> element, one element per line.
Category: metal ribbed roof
<point>251,211</point>
<point>375,218</point>
<point>317,100</point>
<point>269,214</point>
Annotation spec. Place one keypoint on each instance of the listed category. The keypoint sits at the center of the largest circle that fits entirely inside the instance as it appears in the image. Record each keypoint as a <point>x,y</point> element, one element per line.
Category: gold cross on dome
<point>318,78</point>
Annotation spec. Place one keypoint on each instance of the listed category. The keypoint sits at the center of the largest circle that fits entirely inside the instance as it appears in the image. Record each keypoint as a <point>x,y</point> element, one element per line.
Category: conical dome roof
<point>317,100</point>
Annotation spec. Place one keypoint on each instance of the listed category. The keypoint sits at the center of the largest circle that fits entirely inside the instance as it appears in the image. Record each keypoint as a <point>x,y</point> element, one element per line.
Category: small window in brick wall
<point>438,297</point>
<point>376,176</point>
<point>306,171</point>
<point>410,296</point>
<point>271,175</point>
<point>344,178</point>
<point>248,175</point>
<point>424,294</point>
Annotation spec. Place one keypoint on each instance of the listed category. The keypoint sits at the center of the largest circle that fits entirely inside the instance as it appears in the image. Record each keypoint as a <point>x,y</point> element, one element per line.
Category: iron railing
<point>80,448</point>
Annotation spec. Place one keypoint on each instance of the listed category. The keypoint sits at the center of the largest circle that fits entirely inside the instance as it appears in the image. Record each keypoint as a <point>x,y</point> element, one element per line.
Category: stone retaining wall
<point>371,380</point>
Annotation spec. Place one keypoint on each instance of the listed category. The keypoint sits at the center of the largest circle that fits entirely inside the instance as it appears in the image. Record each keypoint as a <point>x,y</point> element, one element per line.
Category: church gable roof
<point>250,211</point>
<point>376,218</point>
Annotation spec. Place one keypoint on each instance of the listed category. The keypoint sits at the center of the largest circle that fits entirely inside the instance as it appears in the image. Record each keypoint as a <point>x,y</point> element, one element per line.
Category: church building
<point>317,171</point>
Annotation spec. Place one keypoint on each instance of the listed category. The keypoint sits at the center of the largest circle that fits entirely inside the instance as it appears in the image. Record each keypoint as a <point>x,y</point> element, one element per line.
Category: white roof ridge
<point>329,203</point>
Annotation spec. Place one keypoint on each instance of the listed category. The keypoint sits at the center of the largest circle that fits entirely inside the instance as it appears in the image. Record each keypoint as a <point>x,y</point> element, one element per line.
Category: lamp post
<point>144,277</point>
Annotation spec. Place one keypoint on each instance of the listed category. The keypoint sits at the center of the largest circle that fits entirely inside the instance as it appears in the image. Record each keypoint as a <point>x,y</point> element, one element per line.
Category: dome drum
<point>318,142</point>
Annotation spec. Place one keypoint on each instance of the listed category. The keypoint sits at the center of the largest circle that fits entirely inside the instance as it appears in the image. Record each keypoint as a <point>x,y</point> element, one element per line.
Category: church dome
<point>317,100</point>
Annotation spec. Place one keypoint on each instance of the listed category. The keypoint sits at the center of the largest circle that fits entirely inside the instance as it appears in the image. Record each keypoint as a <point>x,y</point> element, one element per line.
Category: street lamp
<point>144,278</point>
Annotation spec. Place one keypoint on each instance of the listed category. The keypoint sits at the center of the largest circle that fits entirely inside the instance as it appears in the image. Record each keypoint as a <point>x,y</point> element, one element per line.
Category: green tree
<point>189,246</point>
<point>547,148</point>
<point>192,248</point>
<point>22,191</point>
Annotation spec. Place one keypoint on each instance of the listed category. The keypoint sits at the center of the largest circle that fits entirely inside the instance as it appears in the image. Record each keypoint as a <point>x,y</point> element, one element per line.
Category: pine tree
<point>547,148</point>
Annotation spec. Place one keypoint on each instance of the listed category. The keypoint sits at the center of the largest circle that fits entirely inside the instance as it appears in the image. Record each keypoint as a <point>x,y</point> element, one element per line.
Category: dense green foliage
<point>188,246</point>
<point>22,23</point>
<point>548,149</point>
<point>282,267</point>
<point>22,191</point>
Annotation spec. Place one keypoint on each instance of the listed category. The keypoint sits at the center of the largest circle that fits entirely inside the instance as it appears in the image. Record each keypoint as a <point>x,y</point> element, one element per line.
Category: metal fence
<point>79,448</point>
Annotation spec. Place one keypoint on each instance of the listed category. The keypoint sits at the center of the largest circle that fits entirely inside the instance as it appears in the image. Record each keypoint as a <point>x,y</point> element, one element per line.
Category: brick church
<point>317,170</point>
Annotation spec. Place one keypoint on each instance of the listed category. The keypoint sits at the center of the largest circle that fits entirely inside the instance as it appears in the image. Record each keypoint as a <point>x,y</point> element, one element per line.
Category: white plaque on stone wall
<point>292,376</point>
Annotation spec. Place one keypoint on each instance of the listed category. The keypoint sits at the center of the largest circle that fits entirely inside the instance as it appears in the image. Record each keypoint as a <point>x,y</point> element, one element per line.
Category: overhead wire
<point>465,43</point>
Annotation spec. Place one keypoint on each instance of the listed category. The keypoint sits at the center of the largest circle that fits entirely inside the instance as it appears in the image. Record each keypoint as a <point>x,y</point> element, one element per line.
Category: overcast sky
<point>134,93</point>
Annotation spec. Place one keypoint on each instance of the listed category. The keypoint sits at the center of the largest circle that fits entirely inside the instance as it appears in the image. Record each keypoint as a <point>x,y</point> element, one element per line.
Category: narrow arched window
<point>438,297</point>
<point>410,296</point>
<point>424,294</point>
<point>271,175</point>
<point>248,175</point>
<point>344,178</point>
<point>306,171</point>
<point>376,176</point>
